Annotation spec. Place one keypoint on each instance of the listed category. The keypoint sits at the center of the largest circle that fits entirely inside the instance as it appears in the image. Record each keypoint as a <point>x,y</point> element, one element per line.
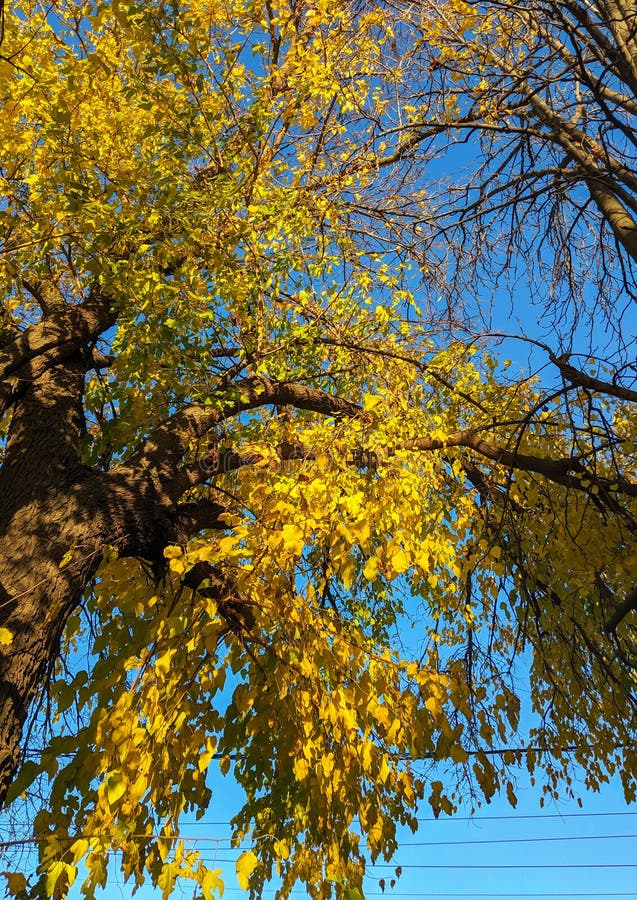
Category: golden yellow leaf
<point>173,552</point>
<point>115,787</point>
<point>371,568</point>
<point>371,401</point>
<point>162,663</point>
<point>245,866</point>
<point>293,541</point>
<point>301,769</point>
<point>66,559</point>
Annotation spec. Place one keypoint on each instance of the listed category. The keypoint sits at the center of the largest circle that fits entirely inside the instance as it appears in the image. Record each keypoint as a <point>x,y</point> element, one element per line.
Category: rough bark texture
<point>51,504</point>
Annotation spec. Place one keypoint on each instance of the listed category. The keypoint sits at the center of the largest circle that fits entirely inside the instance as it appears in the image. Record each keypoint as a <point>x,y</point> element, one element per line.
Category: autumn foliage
<point>277,492</point>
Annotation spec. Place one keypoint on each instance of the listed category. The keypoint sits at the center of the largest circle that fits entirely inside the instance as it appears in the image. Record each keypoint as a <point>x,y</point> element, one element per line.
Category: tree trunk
<point>56,518</point>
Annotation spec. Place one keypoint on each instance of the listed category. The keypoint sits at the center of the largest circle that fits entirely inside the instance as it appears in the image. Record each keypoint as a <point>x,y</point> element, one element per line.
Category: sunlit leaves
<point>246,864</point>
<point>212,172</point>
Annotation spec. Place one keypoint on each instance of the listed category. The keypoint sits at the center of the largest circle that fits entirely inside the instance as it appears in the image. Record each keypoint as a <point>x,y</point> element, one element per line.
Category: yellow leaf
<point>207,755</point>
<point>434,707</point>
<point>16,882</point>
<point>246,864</point>
<point>66,559</point>
<point>399,560</point>
<point>328,764</point>
<point>59,878</point>
<point>162,664</point>
<point>6,636</point>
<point>116,785</point>
<point>371,401</point>
<point>177,566</point>
<point>368,755</point>
<point>293,539</point>
<point>371,568</point>
<point>172,552</point>
<point>301,769</point>
<point>348,567</point>
<point>393,731</point>
<point>361,530</point>
<point>458,754</point>
<point>79,849</point>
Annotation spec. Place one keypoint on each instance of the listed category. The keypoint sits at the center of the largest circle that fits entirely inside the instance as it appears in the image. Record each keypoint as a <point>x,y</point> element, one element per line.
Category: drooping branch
<point>208,581</point>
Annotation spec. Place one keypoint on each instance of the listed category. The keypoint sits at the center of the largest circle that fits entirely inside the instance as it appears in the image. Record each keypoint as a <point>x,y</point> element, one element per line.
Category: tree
<point>244,443</point>
<point>544,93</point>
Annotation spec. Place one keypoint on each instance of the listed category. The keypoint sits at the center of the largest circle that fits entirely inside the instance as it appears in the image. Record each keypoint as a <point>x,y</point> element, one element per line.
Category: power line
<point>205,839</point>
<point>463,843</point>
<point>451,819</point>
<point>498,866</point>
<point>391,894</point>
<point>35,839</point>
<point>577,815</point>
<point>495,866</point>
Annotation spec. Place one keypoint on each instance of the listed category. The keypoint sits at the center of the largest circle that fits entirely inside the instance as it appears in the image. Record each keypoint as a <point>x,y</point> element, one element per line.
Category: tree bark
<point>56,518</point>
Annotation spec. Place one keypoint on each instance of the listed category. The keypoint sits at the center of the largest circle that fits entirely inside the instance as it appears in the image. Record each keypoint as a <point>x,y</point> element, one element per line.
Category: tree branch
<point>629,605</point>
<point>581,379</point>
<point>622,224</point>
<point>198,515</point>
<point>169,443</point>
<point>49,342</point>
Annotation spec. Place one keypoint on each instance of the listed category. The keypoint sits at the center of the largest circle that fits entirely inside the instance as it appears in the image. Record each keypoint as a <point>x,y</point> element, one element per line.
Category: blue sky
<point>559,851</point>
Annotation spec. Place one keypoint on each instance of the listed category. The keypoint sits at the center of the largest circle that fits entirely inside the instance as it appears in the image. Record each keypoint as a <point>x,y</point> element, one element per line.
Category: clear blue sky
<point>558,851</point>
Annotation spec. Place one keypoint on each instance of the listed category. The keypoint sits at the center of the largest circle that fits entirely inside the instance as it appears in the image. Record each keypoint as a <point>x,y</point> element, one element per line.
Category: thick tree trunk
<point>37,593</point>
<point>52,506</point>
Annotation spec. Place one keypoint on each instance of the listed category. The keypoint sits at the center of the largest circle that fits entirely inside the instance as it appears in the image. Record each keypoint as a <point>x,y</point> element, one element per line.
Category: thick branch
<point>581,379</point>
<point>199,515</point>
<point>622,224</point>
<point>168,444</point>
<point>629,605</point>
<point>52,340</point>
<point>566,471</point>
